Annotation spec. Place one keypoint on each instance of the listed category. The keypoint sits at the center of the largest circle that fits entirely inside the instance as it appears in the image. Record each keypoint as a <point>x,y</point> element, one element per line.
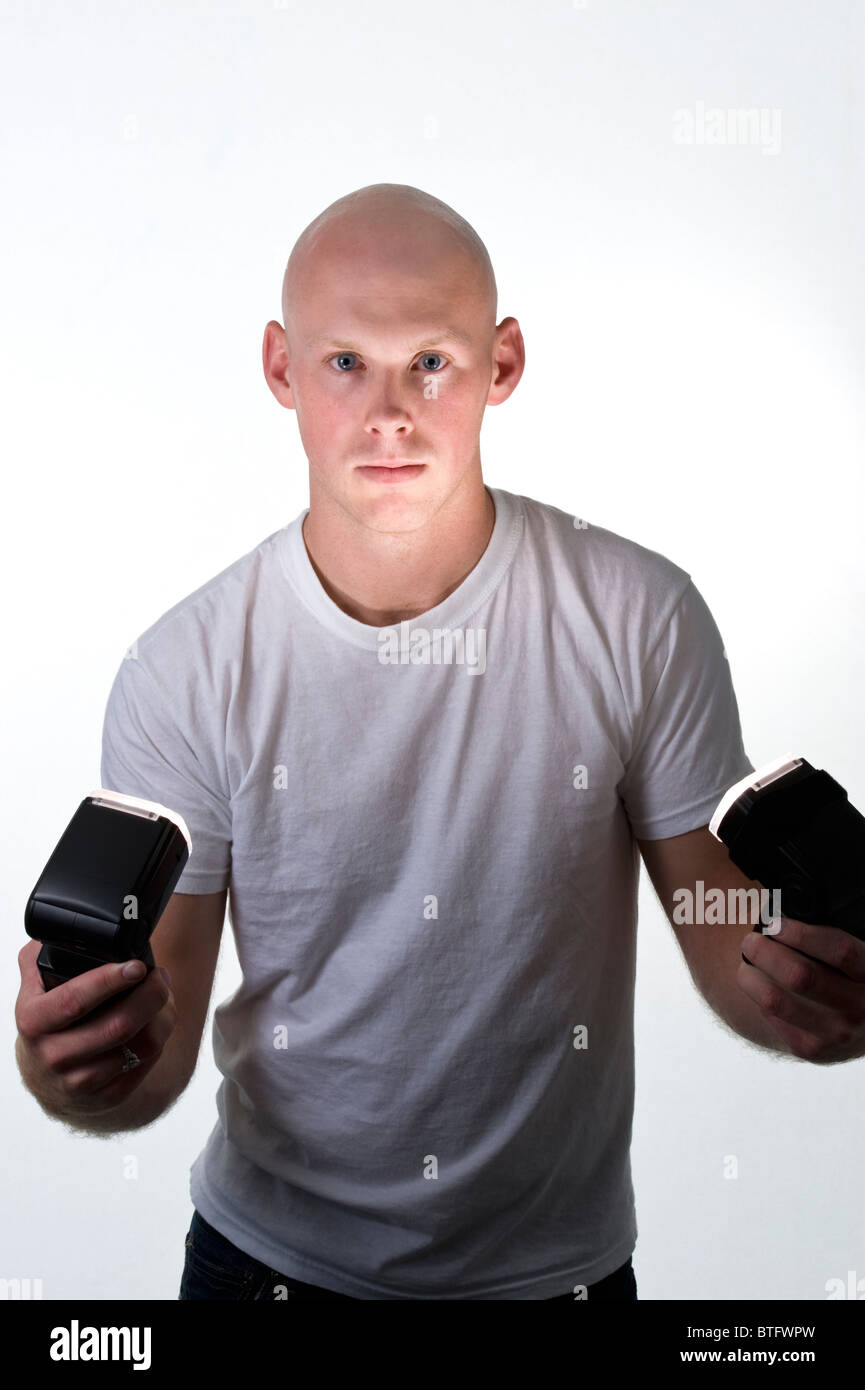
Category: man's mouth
<point>392,463</point>
<point>392,471</point>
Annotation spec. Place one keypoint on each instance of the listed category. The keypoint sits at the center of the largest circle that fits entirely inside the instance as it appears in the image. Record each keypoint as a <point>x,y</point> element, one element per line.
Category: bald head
<point>393,227</point>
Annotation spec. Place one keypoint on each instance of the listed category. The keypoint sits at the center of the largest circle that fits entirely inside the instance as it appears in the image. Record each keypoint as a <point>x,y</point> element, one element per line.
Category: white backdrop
<point>689,281</point>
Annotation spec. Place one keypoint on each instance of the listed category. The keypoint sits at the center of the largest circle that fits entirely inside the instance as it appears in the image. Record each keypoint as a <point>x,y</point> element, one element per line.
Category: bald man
<point>414,733</point>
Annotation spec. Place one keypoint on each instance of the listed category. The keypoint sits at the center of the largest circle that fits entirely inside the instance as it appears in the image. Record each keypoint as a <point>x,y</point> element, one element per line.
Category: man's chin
<point>391,508</point>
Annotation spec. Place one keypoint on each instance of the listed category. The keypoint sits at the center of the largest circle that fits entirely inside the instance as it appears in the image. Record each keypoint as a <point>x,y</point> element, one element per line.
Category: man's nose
<point>389,418</point>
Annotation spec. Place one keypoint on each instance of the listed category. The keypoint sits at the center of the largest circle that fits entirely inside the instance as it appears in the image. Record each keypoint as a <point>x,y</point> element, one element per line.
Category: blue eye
<point>341,357</point>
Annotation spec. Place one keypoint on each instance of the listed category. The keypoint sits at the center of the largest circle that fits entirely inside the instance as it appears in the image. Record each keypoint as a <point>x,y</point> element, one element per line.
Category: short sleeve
<point>146,753</point>
<point>687,748</point>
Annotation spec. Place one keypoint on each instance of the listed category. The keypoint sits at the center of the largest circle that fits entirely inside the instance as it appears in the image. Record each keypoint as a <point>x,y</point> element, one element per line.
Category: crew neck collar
<point>450,614</point>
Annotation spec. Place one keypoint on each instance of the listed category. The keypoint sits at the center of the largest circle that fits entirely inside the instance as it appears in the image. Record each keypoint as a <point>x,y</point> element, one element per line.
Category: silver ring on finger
<point>130,1059</point>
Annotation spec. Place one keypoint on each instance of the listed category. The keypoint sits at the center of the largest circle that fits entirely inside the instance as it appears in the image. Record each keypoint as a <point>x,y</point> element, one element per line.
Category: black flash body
<point>791,827</point>
<point>106,885</point>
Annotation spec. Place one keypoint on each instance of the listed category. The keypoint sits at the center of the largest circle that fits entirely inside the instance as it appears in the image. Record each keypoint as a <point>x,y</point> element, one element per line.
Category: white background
<point>694,318</point>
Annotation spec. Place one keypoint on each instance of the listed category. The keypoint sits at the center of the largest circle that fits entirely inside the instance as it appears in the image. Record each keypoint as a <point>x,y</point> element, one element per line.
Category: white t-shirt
<point>429,840</point>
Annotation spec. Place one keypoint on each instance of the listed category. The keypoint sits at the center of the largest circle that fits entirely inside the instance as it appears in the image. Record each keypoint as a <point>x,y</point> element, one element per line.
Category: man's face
<point>389,359</point>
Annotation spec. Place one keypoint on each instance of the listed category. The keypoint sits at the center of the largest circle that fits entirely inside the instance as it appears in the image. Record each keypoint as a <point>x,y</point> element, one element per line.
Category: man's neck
<point>382,578</point>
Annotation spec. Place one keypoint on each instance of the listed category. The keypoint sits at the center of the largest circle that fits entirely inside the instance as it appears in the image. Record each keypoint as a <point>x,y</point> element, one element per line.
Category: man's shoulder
<point>594,557</point>
<point>215,610</point>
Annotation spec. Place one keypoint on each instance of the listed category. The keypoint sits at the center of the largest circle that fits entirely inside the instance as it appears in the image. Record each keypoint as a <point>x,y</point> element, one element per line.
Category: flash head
<point>106,884</point>
<point>791,827</point>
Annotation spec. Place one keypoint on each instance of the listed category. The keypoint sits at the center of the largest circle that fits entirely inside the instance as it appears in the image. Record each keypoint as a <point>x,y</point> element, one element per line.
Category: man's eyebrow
<point>436,335</point>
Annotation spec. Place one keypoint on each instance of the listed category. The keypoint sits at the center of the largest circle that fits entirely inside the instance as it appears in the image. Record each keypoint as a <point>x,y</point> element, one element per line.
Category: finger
<point>31,980</point>
<point>148,1046</point>
<point>779,1006</point>
<point>151,1040</point>
<point>93,986</point>
<point>41,1011</point>
<point>802,975</point>
<point>806,1045</point>
<point>111,1028</point>
<point>837,948</point>
<point>106,1081</point>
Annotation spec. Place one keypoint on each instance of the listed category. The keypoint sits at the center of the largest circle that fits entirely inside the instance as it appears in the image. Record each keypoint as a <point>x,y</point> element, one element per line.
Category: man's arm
<point>713,952</point>
<point>803,992</point>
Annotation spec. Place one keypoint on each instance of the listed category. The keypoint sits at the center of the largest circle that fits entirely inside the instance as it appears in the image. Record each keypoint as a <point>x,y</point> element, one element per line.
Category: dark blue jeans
<point>216,1269</point>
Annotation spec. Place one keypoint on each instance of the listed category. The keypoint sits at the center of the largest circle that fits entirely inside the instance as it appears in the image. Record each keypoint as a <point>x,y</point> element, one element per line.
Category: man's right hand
<point>72,1063</point>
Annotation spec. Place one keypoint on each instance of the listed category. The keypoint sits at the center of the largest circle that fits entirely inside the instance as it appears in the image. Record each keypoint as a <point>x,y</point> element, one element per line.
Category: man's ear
<point>509,359</point>
<point>274,360</point>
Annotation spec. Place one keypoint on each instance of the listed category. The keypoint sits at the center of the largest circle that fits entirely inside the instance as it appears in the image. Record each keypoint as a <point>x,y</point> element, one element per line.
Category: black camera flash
<point>106,884</point>
<point>791,827</point>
